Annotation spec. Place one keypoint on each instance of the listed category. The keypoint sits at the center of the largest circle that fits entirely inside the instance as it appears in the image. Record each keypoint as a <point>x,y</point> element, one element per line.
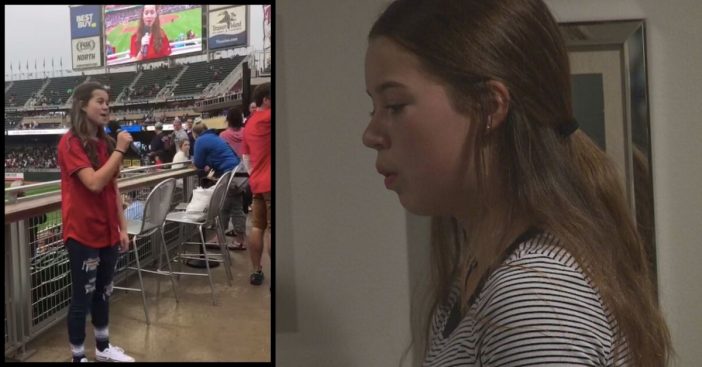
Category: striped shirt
<point>537,308</point>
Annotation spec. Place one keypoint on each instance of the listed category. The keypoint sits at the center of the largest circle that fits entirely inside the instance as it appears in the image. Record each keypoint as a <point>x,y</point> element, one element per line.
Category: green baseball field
<point>52,219</point>
<point>37,191</point>
<point>173,24</point>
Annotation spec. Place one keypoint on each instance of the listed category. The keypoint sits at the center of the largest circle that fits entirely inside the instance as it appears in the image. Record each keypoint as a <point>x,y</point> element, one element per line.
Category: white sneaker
<point>112,354</point>
<point>84,360</point>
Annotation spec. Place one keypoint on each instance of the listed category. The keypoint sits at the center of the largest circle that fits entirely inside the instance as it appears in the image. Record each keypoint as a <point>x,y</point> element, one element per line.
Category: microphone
<point>145,47</point>
<point>113,126</point>
<point>116,129</point>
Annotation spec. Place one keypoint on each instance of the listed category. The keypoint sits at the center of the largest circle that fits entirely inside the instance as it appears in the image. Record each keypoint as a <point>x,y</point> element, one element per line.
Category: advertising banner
<point>127,128</point>
<point>38,132</point>
<point>86,21</point>
<point>228,27</point>
<point>11,176</point>
<point>86,52</point>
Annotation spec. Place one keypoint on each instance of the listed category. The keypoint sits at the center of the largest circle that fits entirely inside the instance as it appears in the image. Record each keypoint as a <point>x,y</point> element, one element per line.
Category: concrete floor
<point>238,328</point>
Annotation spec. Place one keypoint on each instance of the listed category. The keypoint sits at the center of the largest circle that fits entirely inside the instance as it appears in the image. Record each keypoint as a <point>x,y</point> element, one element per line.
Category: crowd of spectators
<point>143,92</point>
<point>123,17</point>
<point>43,114</point>
<point>163,67</point>
<point>35,156</point>
<point>157,67</point>
<point>50,97</point>
<point>166,9</point>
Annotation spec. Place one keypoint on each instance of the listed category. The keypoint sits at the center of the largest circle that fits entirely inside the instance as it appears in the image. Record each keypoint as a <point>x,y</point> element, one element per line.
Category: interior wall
<point>344,247</point>
<point>674,77</point>
<point>341,251</point>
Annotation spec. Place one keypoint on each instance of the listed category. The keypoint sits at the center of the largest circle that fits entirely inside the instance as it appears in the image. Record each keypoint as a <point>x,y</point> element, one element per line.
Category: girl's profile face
<point>421,140</point>
<point>185,148</point>
<point>149,15</point>
<point>97,110</point>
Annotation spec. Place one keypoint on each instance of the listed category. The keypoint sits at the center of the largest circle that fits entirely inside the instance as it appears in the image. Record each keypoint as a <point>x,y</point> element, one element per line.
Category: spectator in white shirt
<point>183,154</point>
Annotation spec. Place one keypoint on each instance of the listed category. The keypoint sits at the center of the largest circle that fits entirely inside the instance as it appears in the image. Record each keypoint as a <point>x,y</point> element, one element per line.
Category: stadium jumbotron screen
<point>150,32</point>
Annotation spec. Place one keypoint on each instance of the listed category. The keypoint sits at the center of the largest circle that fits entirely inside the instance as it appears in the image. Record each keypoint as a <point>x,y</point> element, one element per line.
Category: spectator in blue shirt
<point>134,209</point>
<point>212,151</point>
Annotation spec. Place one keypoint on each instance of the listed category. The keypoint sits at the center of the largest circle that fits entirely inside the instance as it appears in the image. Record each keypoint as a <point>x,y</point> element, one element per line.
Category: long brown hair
<point>78,123</point>
<point>565,185</point>
<point>155,30</point>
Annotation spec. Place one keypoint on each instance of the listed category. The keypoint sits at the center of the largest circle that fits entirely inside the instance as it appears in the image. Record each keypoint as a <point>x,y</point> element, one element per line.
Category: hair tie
<point>567,128</point>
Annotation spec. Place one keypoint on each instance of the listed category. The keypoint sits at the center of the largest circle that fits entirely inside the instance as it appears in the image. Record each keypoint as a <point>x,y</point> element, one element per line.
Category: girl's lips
<point>390,180</point>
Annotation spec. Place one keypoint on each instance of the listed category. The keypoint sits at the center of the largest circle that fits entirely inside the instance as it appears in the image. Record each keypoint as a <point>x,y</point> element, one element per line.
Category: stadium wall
<point>42,176</point>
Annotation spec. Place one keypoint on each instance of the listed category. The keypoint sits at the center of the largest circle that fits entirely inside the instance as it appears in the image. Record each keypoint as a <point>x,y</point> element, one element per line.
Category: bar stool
<point>203,220</point>
<point>155,210</point>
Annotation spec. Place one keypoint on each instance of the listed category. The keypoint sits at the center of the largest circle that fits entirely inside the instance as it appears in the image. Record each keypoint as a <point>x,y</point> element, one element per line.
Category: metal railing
<point>37,272</point>
<point>221,99</point>
<point>124,173</point>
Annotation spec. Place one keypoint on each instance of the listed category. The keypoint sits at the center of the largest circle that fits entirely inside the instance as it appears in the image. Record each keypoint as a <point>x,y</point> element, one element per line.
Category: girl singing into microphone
<point>94,226</point>
<point>149,41</point>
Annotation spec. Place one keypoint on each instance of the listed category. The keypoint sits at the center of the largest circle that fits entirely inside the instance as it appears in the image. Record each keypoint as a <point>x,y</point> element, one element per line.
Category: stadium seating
<point>116,81</point>
<point>188,82</point>
<point>151,77</point>
<point>192,82</point>
<point>22,90</point>
<point>63,87</point>
<point>201,74</point>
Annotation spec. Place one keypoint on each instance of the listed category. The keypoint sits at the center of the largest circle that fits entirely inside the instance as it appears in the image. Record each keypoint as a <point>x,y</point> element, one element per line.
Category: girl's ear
<point>83,106</point>
<point>499,106</point>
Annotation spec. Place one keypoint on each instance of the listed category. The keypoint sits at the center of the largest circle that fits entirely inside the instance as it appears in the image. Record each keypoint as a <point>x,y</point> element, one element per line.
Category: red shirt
<point>151,51</point>
<point>257,144</point>
<point>235,139</point>
<point>89,218</point>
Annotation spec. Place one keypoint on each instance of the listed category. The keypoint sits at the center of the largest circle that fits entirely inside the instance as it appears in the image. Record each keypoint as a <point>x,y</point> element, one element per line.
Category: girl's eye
<point>396,108</point>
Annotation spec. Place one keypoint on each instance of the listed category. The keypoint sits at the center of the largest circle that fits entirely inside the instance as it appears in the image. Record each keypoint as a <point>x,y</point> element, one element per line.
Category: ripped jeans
<point>92,271</point>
